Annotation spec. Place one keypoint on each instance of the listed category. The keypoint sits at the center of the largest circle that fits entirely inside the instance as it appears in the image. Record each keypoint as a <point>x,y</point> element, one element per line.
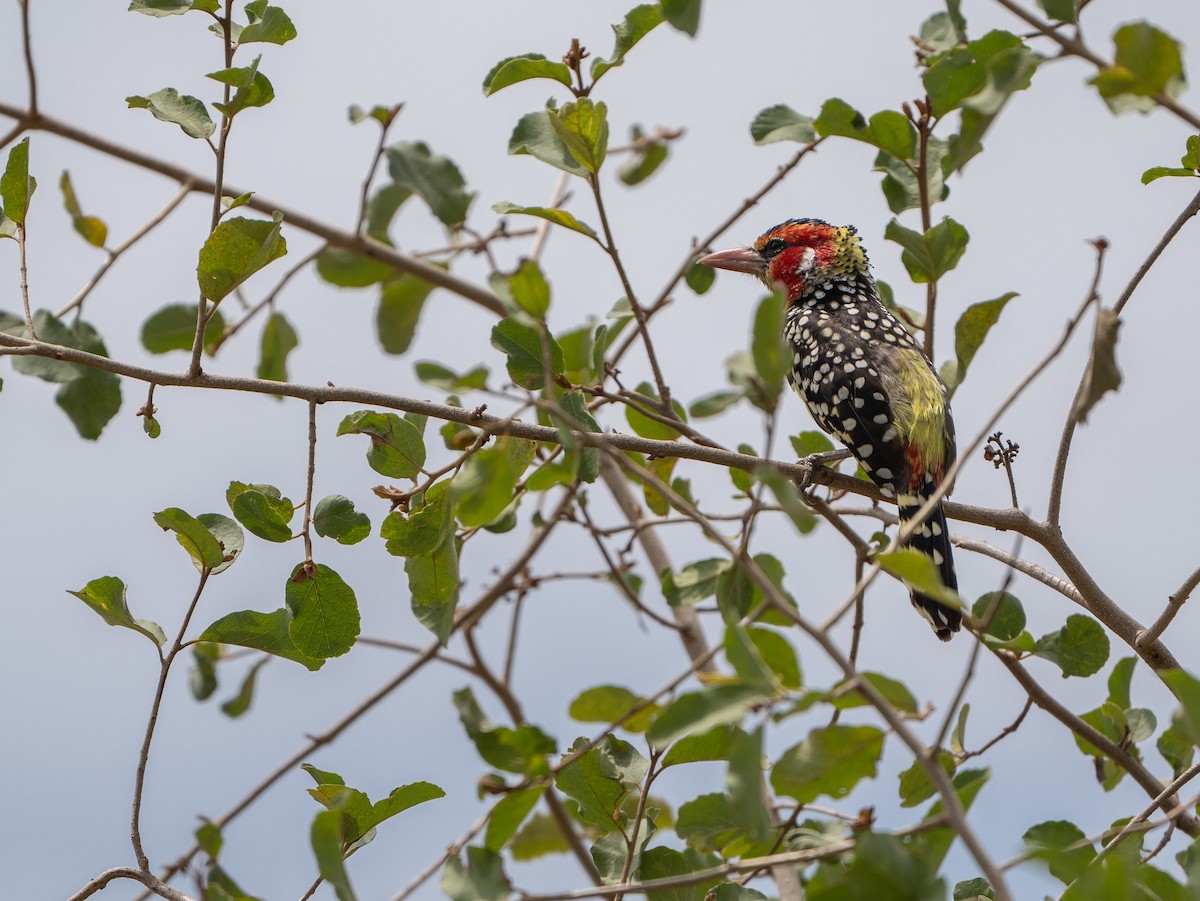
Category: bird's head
<point>797,254</point>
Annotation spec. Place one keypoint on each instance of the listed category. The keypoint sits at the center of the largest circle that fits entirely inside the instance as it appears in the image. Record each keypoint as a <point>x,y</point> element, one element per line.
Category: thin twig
<point>111,256</point>
<point>25,281</point>
<point>135,828</point>
<point>308,488</point>
<point>1174,604</point>
<point>1181,220</point>
<point>27,51</point>
<point>1165,795</point>
<point>149,880</point>
<point>1003,734</point>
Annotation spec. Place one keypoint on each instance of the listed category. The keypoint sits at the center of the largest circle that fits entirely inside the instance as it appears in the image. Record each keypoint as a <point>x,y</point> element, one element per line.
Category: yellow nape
<point>850,258</point>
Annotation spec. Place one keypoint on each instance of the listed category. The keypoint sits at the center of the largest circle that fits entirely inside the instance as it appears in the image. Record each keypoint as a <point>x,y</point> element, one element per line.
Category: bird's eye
<point>773,247</point>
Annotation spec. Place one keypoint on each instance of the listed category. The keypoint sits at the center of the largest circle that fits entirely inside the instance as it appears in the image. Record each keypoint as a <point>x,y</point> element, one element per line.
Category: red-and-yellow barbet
<point>862,376</point>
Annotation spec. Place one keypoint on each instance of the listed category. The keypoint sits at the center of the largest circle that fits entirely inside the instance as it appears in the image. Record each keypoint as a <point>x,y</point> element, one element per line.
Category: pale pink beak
<point>737,259</point>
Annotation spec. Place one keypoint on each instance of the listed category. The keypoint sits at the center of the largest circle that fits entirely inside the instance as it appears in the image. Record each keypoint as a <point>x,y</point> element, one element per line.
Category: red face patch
<point>796,250</point>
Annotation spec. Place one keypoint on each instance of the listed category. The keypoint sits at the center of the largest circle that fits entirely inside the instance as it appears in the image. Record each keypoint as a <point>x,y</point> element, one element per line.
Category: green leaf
<point>174,327</point>
<point>529,288</point>
<point>1189,162</point>
<point>831,761</point>
<point>263,632</point>
<point>550,214</point>
<point>401,301</point>
<point>481,879</point>
<point>888,130</point>
<point>610,704</point>
<point>327,843</point>
<point>645,158</point>
<point>893,691</point>
<point>435,179</point>
<point>161,8</point>
<point>1063,846</point>
<point>278,340</point>
<point>203,547</point>
<point>1102,374</point>
<point>168,105</point>
<point>439,376</point>
<point>539,837</point>
<point>929,256</point>
<point>713,404</point>
<point>769,348</point>
<point>901,186</point>
<point>106,596</point>
<point>228,534</point>
<point>526,347</point>
<point>424,529</point>
<point>695,582</point>
<point>683,15</point>
<point>396,450</point>
<point>16,184</point>
<point>600,778</point>
<point>788,496</point>
<point>1008,616</point>
<point>611,851</point>
<point>433,582</point>
<point>251,88</point>
<point>335,517</point>
<point>582,126</point>
<point>917,571</point>
<point>513,69</point>
<point>535,134</point>
<point>1147,61</point>
<point>261,509</point>
<point>508,814</point>
<point>236,250</point>
<point>701,710</point>
<point>811,442</point>
<point>743,656</point>
<point>778,654</point>
<point>700,278</point>
<point>716,743</point>
<point>711,823</point>
<point>971,330</point>
<point>93,230</point>
<point>347,269</point>
<point>1060,10</point>
<point>1080,648</point>
<point>646,426</point>
<point>93,397</point>
<point>240,703</point>
<point>976,889</point>
<point>915,784</point>
<point>1119,681</point>
<point>638,22</point>
<point>883,866</point>
<point>781,123</point>
<point>325,621</point>
<point>266,25</point>
<point>1186,688</point>
<point>484,485</point>
<point>663,862</point>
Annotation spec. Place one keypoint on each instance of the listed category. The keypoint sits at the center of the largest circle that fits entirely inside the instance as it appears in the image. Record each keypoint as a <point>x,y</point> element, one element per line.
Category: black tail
<point>933,539</point>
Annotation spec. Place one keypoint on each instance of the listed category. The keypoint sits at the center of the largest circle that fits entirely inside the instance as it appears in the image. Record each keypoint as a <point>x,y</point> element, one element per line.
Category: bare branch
<point>1174,604</point>
<point>152,882</point>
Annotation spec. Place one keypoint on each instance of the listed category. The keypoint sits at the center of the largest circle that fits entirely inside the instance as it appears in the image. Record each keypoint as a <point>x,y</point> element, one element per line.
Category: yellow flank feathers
<point>921,413</point>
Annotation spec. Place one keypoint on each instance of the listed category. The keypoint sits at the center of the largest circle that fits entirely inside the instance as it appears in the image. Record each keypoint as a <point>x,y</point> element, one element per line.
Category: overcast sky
<point>1059,169</point>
